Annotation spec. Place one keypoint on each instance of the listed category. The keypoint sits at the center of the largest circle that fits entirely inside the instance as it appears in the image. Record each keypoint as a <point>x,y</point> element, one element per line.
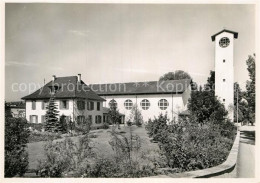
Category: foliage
<point>136,116</point>
<point>52,123</point>
<point>65,156</point>
<point>211,81</point>
<point>157,126</point>
<point>189,145</point>
<point>38,136</point>
<point>204,106</point>
<point>113,114</point>
<point>177,75</point>
<point>64,125</point>
<point>250,87</point>
<point>36,126</point>
<point>83,127</point>
<point>16,138</point>
<point>129,123</point>
<point>243,109</point>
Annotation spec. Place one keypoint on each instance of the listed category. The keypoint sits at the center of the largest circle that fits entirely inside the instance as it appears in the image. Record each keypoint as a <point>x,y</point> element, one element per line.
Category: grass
<point>101,144</point>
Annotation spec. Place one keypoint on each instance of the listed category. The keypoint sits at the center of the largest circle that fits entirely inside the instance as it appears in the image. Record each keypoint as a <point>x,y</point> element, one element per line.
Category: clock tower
<point>224,68</point>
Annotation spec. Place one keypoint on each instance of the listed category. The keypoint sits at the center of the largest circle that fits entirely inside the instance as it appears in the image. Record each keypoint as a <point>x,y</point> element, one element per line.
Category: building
<point>224,68</point>
<point>16,109</point>
<point>73,97</point>
<point>152,98</point>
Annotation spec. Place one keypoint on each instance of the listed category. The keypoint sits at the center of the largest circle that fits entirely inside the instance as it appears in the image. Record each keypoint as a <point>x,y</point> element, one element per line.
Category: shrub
<point>36,126</point>
<point>64,157</point>
<point>190,145</point>
<point>16,138</point>
<point>129,123</point>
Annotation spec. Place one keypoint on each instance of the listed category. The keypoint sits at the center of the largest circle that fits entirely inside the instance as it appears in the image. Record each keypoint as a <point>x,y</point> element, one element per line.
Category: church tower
<point>224,68</point>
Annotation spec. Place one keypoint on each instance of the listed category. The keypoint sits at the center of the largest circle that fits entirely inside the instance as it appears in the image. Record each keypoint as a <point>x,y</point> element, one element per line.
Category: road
<point>245,167</point>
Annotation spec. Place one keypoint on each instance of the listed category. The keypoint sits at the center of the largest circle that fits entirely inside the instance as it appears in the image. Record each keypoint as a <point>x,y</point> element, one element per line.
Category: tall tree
<point>113,113</point>
<point>211,81</point>
<point>177,75</point>
<point>52,123</point>
<point>16,138</point>
<point>250,86</point>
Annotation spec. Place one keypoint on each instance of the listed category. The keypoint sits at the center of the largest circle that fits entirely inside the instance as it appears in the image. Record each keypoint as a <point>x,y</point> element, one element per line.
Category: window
<point>64,104</point>
<point>44,105</point>
<point>90,106</point>
<point>33,119</point>
<point>98,119</point>
<point>104,119</point>
<point>224,80</point>
<point>224,100</point>
<point>224,42</point>
<point>113,102</point>
<point>145,104</point>
<point>90,118</point>
<point>43,119</point>
<point>224,61</point>
<point>128,104</point>
<point>33,105</point>
<point>80,119</point>
<point>98,106</point>
<point>81,105</point>
<point>163,104</point>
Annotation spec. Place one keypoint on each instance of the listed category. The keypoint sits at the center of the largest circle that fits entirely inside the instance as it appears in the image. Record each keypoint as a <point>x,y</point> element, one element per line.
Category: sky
<point>110,43</point>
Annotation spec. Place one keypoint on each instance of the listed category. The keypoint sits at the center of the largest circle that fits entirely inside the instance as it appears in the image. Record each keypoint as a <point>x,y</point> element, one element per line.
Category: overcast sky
<point>109,43</point>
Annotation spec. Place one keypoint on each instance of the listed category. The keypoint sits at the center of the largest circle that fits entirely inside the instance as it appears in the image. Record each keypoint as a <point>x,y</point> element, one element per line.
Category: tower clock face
<point>224,42</point>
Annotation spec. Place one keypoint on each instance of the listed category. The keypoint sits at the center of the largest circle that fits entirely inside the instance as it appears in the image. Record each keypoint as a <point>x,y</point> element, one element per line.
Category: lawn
<point>101,144</point>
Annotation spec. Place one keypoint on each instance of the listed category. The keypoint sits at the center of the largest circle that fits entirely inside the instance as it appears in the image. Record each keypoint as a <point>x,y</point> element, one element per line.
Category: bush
<point>43,136</point>
<point>16,138</point>
<point>36,126</point>
<point>129,123</point>
<point>65,157</point>
<point>190,145</point>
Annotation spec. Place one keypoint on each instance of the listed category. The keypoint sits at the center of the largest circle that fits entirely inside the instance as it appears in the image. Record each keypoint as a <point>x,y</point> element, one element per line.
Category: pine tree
<point>52,122</point>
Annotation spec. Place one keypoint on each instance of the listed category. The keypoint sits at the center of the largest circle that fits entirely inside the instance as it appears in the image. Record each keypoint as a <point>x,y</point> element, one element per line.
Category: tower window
<point>224,61</point>
<point>224,100</point>
<point>224,80</point>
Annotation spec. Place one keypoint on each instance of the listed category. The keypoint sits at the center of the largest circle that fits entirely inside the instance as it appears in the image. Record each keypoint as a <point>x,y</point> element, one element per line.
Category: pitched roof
<point>69,87</point>
<point>150,87</point>
<point>225,30</point>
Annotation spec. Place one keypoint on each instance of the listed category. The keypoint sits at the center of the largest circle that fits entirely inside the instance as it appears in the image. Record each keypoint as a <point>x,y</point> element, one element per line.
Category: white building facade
<point>74,103</point>
<point>224,68</point>
<point>150,100</point>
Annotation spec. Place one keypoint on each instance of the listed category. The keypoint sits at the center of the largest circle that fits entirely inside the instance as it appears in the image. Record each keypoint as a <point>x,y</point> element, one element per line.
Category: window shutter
<point>30,118</point>
<point>36,121</point>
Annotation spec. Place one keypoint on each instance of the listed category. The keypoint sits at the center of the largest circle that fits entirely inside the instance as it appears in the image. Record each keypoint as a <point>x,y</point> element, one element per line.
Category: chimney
<point>79,78</point>
<point>53,77</point>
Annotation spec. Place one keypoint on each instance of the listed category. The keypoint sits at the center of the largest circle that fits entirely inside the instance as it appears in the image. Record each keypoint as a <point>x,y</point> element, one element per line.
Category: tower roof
<point>225,30</point>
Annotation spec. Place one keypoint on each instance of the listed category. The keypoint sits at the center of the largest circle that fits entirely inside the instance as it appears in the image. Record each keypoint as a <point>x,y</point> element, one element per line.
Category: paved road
<point>246,155</point>
<point>245,167</point>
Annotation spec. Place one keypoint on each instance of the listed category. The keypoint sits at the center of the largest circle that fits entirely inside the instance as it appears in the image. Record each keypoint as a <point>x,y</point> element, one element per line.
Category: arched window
<point>163,104</point>
<point>98,119</point>
<point>128,104</point>
<point>113,102</point>
<point>145,104</point>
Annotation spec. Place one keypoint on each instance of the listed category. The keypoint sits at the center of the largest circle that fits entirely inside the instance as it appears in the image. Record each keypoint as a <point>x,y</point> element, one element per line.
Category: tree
<point>52,123</point>
<point>136,116</point>
<point>205,106</point>
<point>250,86</point>
<point>113,113</point>
<point>16,138</point>
<point>177,75</point>
<point>211,81</point>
